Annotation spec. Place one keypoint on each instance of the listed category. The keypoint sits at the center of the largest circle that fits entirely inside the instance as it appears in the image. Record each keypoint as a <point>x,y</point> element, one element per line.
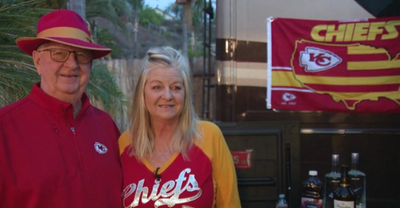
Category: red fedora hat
<point>65,27</point>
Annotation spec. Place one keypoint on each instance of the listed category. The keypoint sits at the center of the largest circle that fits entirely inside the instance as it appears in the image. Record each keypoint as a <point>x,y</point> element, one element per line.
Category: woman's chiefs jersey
<point>206,179</point>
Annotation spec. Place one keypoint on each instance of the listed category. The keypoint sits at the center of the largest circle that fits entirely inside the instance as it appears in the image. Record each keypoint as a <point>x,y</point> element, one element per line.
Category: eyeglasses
<point>62,55</point>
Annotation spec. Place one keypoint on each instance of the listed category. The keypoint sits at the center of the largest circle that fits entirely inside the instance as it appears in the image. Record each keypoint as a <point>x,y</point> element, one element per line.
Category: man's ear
<point>36,61</point>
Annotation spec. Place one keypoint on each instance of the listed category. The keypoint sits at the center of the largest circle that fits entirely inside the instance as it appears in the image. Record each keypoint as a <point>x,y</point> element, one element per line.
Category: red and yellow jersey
<point>206,179</point>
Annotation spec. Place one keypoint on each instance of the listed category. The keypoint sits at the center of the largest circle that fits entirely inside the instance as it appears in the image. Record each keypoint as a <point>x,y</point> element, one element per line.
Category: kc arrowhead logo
<point>316,59</point>
<point>288,97</point>
<point>100,148</point>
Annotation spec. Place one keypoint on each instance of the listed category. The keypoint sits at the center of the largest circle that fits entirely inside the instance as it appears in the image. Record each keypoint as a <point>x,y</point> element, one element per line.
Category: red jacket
<point>49,159</point>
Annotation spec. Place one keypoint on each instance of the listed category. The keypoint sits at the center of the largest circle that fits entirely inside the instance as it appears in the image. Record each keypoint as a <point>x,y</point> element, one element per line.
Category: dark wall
<point>375,136</point>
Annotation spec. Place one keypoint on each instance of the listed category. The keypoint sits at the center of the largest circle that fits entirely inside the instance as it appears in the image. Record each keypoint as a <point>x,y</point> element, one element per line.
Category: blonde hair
<point>141,134</point>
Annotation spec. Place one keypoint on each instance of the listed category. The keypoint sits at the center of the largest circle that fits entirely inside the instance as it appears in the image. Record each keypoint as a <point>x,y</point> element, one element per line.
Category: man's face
<point>65,81</point>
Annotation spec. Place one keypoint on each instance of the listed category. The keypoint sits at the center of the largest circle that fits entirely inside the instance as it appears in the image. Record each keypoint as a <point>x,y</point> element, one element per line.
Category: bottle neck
<point>335,163</point>
<point>344,180</point>
<point>335,166</point>
<point>354,164</point>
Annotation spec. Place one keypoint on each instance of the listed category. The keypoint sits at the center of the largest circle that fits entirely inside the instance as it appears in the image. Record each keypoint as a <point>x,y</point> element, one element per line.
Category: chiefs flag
<point>338,66</point>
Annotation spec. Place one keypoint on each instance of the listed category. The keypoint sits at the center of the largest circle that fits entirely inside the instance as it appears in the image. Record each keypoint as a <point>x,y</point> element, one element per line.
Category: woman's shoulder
<point>125,135</point>
<point>208,125</point>
<point>212,139</point>
<point>124,141</point>
<point>209,129</point>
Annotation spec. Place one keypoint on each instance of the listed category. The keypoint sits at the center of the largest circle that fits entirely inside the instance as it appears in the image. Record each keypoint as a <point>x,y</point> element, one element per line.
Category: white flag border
<point>269,62</point>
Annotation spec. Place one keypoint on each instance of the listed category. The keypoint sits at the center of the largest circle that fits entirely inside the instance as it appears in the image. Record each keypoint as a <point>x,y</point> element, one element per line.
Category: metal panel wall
<point>274,148</point>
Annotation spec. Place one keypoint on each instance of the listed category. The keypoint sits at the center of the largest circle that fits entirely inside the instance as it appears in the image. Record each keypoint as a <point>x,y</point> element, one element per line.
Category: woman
<point>170,158</point>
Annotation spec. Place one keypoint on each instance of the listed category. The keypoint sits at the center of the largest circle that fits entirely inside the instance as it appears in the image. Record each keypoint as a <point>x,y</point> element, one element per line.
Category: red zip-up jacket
<point>49,159</point>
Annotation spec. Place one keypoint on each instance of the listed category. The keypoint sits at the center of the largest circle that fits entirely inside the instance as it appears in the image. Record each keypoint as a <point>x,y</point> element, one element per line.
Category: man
<point>56,149</point>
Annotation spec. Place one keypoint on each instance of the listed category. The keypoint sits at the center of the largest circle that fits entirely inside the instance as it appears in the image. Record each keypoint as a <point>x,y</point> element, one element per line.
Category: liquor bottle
<point>358,181</point>
<point>281,202</point>
<point>331,182</point>
<point>312,191</point>
<point>344,196</point>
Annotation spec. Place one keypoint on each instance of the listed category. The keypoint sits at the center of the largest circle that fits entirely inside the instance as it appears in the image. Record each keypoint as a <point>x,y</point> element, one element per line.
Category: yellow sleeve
<point>224,174</point>
<point>123,141</point>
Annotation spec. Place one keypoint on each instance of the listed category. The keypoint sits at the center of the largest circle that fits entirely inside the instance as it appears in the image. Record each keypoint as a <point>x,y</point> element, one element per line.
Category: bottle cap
<point>281,195</point>
<point>313,173</point>
<point>335,157</point>
<point>354,157</point>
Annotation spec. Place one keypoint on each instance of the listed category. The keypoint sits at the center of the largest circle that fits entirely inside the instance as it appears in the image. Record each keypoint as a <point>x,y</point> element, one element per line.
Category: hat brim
<point>28,45</point>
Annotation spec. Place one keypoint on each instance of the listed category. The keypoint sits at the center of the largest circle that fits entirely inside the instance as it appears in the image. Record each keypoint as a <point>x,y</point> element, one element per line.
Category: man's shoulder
<point>97,111</point>
<point>13,108</point>
<point>99,116</point>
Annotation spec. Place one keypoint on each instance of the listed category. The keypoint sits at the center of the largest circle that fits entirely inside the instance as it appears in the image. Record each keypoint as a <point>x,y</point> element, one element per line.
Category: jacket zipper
<point>73,130</point>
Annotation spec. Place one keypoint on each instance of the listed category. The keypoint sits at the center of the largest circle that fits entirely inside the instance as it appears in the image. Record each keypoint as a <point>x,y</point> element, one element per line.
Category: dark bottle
<point>312,191</point>
<point>331,182</point>
<point>358,181</point>
<point>344,196</point>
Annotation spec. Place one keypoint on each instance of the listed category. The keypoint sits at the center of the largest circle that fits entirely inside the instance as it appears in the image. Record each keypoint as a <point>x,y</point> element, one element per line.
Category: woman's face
<point>164,94</point>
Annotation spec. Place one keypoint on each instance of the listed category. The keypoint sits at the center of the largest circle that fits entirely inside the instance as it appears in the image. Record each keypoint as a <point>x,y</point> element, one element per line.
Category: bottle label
<point>343,204</point>
<point>358,185</point>
<point>311,202</point>
<point>282,206</point>
<point>331,185</point>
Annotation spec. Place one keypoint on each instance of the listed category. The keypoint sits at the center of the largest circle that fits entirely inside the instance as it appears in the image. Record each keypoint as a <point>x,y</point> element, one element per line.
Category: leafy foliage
<point>137,5</point>
<point>149,15</point>
<point>105,38</point>
<point>18,18</point>
<point>192,15</point>
<point>109,9</point>
<point>197,12</point>
<point>103,90</point>
<point>17,72</point>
